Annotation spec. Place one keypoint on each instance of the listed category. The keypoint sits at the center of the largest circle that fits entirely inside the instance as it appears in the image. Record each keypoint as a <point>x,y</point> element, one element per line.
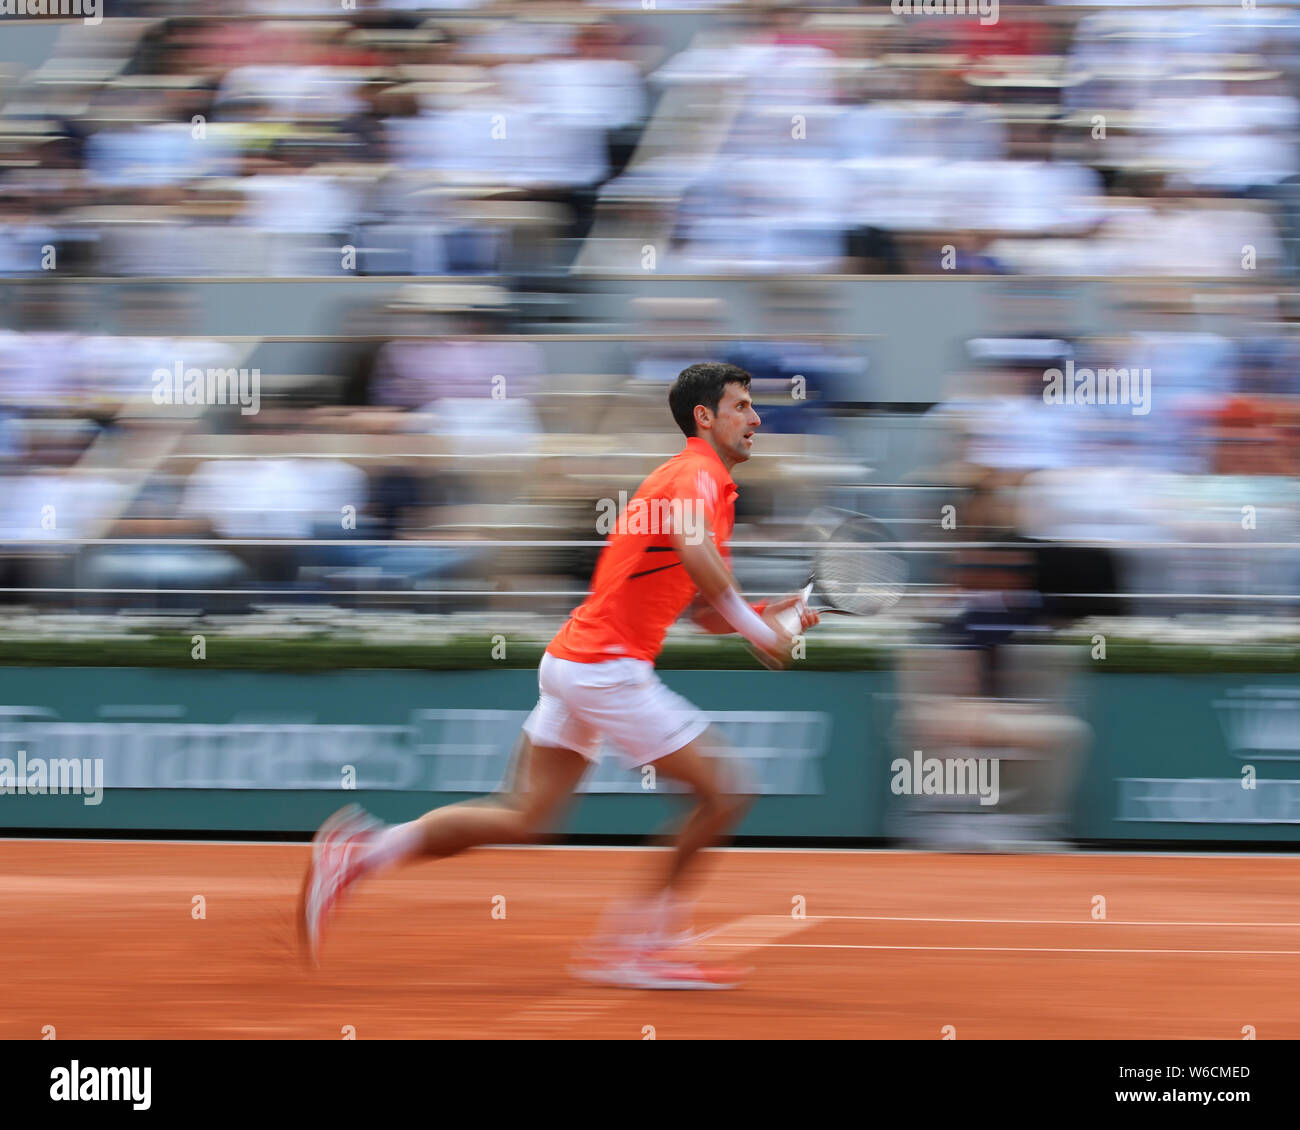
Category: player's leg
<point>720,804</point>
<point>661,915</point>
<point>554,753</point>
<point>351,846</point>
<point>638,944</point>
<point>541,780</point>
<point>544,780</point>
<point>658,728</point>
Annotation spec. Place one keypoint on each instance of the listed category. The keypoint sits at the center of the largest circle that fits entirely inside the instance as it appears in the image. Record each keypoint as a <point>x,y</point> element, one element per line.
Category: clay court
<point>102,941</point>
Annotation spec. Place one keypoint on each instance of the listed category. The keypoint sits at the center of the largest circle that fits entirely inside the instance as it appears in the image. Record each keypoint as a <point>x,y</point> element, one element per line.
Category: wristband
<point>732,608</point>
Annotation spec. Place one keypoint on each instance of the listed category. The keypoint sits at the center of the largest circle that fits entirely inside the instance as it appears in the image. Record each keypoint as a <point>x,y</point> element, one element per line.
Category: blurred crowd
<point>440,423</point>
<point>445,459</point>
<point>1183,474</point>
<point>436,432</point>
<point>383,139</point>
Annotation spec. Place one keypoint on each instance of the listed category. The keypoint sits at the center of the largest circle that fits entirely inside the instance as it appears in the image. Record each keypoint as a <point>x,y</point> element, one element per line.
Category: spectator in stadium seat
<point>418,374</point>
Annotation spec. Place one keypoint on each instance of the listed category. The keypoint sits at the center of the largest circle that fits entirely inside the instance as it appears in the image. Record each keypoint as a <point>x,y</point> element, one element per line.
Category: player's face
<point>735,423</point>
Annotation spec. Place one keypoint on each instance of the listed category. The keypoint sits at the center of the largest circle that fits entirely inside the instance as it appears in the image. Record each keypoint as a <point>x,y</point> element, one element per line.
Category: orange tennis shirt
<point>640,586</point>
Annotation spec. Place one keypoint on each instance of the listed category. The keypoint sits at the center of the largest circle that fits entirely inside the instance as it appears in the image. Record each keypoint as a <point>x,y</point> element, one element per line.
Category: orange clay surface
<point>104,940</point>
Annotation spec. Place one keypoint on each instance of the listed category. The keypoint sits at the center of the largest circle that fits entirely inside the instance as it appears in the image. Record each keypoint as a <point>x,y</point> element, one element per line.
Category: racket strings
<point>856,575</point>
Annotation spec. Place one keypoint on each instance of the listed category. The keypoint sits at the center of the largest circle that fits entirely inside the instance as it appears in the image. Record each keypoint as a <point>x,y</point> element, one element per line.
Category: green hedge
<point>462,653</point>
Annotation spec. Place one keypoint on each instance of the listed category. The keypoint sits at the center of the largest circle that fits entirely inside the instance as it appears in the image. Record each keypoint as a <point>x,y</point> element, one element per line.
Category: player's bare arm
<point>709,619</point>
<point>729,430</point>
<point>722,607</point>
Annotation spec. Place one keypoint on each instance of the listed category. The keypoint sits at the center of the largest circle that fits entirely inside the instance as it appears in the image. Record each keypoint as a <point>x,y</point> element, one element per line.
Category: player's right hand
<point>807,617</point>
<point>781,655</point>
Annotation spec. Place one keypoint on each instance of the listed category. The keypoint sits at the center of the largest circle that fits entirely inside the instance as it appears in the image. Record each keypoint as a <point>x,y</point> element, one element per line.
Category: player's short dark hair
<point>703,383</point>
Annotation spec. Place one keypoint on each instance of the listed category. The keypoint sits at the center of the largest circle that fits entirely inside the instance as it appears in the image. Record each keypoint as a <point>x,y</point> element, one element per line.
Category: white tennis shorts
<point>620,699</point>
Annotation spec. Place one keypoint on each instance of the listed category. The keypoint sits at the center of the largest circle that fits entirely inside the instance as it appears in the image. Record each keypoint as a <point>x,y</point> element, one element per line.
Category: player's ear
<point>703,416</point>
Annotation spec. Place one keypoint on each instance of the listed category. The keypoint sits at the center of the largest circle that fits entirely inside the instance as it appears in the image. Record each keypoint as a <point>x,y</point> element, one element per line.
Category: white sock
<point>672,913</point>
<point>628,921</point>
<point>393,845</point>
<point>654,916</point>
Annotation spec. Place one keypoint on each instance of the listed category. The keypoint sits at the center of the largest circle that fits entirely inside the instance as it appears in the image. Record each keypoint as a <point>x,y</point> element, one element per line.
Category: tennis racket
<point>855,571</point>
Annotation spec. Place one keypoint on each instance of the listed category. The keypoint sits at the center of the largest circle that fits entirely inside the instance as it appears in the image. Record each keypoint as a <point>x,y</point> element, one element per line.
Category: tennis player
<point>597,680</point>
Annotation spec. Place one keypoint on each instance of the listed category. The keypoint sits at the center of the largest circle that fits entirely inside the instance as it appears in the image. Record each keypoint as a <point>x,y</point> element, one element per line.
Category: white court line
<point>564,1010</point>
<point>754,931</point>
<point>1022,949</point>
<point>1036,921</point>
<point>1074,853</point>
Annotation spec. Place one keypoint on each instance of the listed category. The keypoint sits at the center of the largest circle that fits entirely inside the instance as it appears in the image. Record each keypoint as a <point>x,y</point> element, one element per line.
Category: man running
<point>597,680</point>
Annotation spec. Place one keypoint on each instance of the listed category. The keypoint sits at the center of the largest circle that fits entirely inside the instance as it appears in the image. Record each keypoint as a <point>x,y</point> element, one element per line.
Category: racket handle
<point>791,620</point>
